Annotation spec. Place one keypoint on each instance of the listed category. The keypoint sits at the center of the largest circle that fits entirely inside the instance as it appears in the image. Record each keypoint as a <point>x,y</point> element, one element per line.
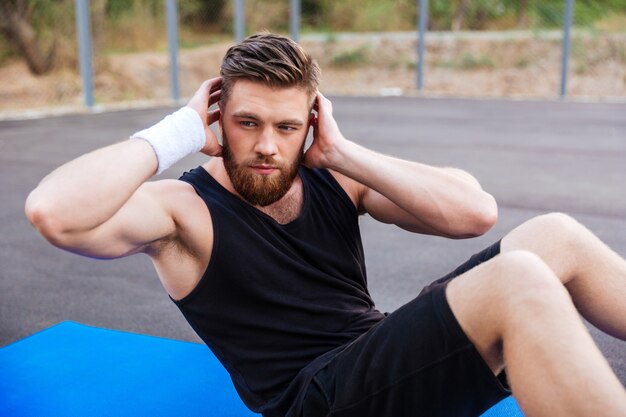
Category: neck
<point>289,207</point>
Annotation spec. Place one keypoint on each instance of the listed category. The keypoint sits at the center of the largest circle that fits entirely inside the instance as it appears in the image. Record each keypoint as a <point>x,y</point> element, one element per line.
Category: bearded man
<point>261,251</point>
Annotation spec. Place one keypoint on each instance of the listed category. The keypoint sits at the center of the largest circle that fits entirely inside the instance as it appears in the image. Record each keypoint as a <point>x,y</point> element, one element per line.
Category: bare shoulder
<point>169,190</point>
<point>354,189</point>
<point>190,214</point>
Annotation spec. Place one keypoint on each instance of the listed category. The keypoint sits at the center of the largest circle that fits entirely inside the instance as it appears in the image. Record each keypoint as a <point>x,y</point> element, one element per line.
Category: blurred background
<point>472,48</point>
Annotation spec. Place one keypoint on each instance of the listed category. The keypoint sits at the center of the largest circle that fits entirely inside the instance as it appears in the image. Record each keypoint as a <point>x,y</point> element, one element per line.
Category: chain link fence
<point>598,55</point>
<point>495,49</point>
<point>130,58</point>
<point>514,49</point>
<point>473,48</point>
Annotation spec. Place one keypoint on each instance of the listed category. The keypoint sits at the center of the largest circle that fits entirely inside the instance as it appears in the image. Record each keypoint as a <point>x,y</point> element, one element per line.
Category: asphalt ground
<point>534,157</point>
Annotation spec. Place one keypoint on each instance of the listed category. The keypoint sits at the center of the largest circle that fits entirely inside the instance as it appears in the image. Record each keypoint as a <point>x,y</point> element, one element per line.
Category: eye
<point>247,123</point>
<point>287,128</point>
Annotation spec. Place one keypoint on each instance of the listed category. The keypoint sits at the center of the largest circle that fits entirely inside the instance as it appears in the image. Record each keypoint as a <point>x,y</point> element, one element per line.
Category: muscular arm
<point>73,203</point>
<point>99,204</point>
<point>417,197</point>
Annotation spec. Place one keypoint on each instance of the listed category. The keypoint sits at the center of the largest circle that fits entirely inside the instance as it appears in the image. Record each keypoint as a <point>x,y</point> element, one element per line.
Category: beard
<point>258,189</point>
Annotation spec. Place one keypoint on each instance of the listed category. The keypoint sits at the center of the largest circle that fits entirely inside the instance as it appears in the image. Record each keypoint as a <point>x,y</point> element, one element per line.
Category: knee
<point>559,221</point>
<point>563,227</point>
<point>521,269</point>
<point>528,285</point>
<point>513,290</point>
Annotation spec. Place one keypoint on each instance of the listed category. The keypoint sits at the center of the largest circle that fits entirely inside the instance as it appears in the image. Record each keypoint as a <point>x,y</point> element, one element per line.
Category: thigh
<point>416,362</point>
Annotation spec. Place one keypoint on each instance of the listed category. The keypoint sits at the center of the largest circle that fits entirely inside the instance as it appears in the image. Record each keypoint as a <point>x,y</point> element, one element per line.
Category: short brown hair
<point>273,60</point>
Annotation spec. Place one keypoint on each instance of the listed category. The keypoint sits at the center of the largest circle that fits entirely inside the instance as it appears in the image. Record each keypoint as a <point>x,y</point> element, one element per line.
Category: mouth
<point>263,169</point>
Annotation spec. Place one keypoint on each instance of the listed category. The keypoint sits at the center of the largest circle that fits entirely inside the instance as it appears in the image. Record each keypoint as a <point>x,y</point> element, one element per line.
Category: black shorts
<point>416,362</point>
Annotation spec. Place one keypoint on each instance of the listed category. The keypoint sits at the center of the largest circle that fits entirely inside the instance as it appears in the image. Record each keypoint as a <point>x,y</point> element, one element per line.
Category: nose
<point>266,144</point>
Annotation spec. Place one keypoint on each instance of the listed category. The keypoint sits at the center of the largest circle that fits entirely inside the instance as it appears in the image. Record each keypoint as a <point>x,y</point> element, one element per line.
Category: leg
<point>416,362</point>
<point>594,275</point>
<point>515,311</point>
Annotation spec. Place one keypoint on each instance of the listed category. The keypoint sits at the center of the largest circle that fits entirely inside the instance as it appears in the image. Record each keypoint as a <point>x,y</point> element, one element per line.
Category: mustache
<point>259,160</point>
<point>264,160</point>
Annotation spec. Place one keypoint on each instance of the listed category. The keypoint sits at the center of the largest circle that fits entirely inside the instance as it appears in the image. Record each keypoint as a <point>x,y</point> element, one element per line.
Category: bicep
<point>142,220</point>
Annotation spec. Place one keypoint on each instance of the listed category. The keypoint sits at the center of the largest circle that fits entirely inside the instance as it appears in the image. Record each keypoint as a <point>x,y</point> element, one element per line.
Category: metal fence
<point>132,51</point>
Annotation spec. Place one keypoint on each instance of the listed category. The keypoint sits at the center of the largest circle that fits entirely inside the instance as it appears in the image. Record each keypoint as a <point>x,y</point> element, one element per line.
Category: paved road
<point>534,157</point>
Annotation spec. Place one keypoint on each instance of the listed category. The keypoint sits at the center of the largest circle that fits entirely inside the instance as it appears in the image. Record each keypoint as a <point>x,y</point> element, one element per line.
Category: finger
<point>208,86</point>
<point>324,102</point>
<point>205,87</point>
<point>217,151</point>
<point>201,95</point>
<point>215,97</point>
<point>211,81</point>
<point>213,150</point>
<point>213,116</point>
<point>205,84</point>
<point>215,84</point>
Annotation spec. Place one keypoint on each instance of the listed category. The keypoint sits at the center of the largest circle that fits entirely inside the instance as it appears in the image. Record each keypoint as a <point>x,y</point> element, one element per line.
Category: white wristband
<point>176,136</point>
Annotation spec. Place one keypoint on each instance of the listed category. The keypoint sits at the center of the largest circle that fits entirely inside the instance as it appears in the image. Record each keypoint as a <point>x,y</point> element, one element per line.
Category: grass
<point>198,40</point>
<point>581,69</point>
<point>351,57</point>
<point>468,61</point>
<point>522,62</point>
<point>329,36</point>
<point>579,48</point>
<point>614,22</point>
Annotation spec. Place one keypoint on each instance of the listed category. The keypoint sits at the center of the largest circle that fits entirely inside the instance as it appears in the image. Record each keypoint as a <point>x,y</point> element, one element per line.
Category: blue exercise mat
<point>75,370</point>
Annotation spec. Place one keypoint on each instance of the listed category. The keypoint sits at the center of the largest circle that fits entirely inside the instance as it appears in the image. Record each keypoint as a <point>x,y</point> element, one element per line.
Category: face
<point>263,131</point>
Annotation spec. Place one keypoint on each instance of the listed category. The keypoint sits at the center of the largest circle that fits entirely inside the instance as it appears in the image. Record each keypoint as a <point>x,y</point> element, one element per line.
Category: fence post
<point>240,20</point>
<point>294,21</point>
<point>83,33</point>
<point>422,27</point>
<point>567,24</point>
<point>172,44</point>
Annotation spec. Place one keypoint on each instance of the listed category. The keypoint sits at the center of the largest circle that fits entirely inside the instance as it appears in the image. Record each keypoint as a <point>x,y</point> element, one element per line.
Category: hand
<point>208,94</point>
<point>327,137</point>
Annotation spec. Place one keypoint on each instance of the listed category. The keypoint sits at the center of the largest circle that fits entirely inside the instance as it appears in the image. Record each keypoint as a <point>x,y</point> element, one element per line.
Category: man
<point>260,249</point>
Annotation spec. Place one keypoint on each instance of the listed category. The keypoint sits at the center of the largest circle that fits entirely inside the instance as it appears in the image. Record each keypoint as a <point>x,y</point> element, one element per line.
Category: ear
<point>313,112</point>
<point>220,121</point>
<point>312,118</point>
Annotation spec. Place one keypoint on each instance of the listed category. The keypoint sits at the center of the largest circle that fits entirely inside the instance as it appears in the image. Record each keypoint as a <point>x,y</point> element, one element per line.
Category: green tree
<point>201,12</point>
<point>21,23</point>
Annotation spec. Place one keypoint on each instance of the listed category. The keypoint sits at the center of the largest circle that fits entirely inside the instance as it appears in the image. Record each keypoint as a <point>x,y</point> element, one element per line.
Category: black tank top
<point>278,301</point>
